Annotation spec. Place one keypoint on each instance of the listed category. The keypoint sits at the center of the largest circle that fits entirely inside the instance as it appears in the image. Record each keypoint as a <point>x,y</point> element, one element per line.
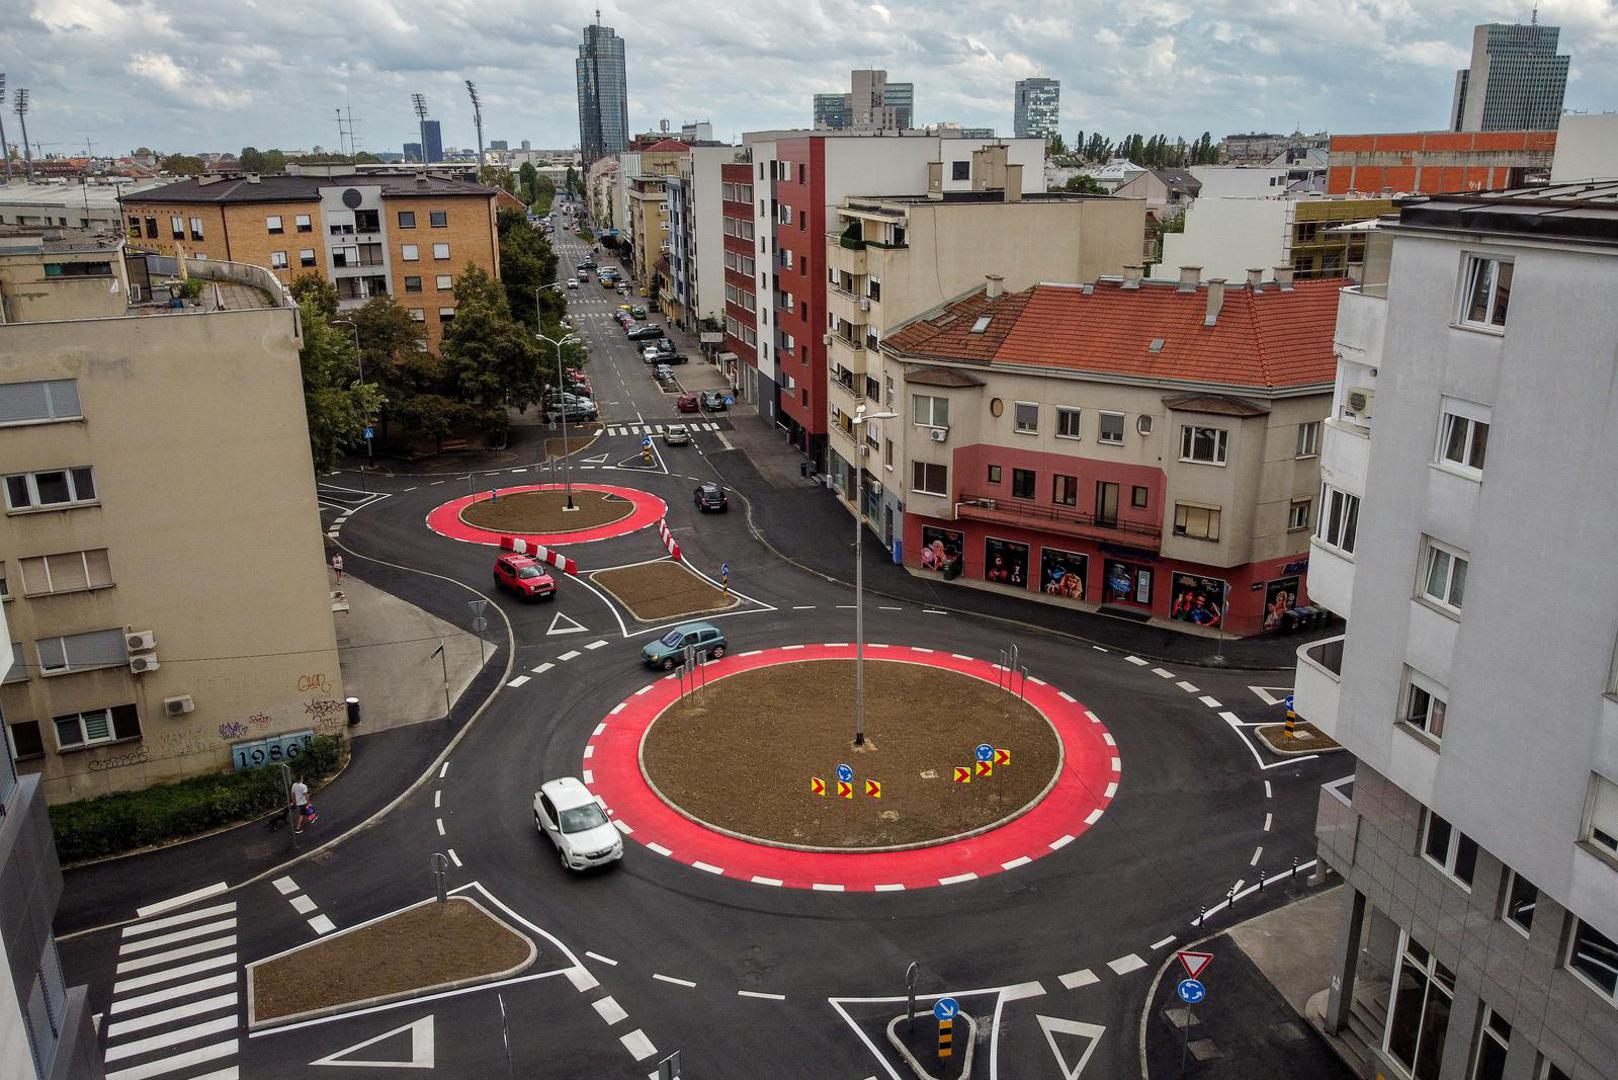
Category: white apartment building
<point>1470,452</point>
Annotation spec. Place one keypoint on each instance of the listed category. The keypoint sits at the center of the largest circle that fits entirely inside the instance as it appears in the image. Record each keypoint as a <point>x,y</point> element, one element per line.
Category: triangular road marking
<point>564,624</point>
<point>421,1048</point>
<point>1053,1026</point>
<point>599,459</point>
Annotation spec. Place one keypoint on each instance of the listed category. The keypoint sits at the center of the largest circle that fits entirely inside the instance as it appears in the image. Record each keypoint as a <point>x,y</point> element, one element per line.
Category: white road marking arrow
<point>563,624</point>
<point>1053,1026</point>
<point>421,1048</point>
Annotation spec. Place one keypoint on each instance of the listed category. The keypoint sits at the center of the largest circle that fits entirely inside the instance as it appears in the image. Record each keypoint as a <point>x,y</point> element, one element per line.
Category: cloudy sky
<point>217,76</point>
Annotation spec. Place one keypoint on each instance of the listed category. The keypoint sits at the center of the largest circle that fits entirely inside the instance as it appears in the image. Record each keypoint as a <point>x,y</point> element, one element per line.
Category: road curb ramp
<point>958,1067</point>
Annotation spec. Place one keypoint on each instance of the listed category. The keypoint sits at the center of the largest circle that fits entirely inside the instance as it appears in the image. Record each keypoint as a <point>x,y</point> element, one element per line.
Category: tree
<point>312,286</point>
<point>1083,185</point>
<point>252,159</point>
<point>527,176</point>
<point>182,165</point>
<point>393,347</point>
<point>490,359</point>
<point>365,157</point>
<point>573,184</point>
<point>338,408</point>
<point>1054,145</point>
<point>527,263</point>
<point>274,161</point>
<point>544,195</point>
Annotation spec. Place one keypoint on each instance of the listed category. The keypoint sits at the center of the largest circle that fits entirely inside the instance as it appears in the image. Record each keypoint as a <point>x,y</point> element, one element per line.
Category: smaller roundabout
<point>724,779</point>
<point>538,512</point>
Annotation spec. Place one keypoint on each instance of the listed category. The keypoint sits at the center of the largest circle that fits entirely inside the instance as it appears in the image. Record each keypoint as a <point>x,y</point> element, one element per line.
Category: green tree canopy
<point>1083,185</point>
<point>182,165</point>
<point>490,359</point>
<point>527,264</point>
<point>338,408</point>
<point>313,287</point>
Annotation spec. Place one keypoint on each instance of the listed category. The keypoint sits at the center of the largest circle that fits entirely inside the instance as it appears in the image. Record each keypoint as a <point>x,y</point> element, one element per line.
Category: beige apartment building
<point>161,563</point>
<point>408,236</point>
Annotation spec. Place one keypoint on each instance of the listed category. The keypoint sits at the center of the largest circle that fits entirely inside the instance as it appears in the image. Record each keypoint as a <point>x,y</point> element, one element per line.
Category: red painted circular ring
<point>445,520</point>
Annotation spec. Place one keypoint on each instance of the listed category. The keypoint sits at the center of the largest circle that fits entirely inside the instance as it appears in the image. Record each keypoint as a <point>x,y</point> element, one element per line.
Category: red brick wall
<point>804,191</point>
<point>1425,161</point>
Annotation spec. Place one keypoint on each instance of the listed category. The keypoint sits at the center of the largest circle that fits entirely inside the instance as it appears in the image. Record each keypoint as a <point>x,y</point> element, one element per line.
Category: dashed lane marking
<point>1187,687</point>
<point>1210,701</point>
<point>1061,842</point>
<point>660,849</point>
<point>622,826</point>
<point>543,668</point>
<point>775,882</point>
<point>1137,661</point>
<point>1165,942</point>
<point>1067,697</point>
<point>440,826</point>
<point>1094,816</point>
<point>638,1045</point>
<point>1267,820</point>
<point>1117,765</point>
<point>1267,793</point>
<point>803,607</point>
<point>303,905</point>
<point>687,983</point>
<point>819,887</point>
<point>285,885</point>
<point>1258,853</point>
<point>322,924</point>
<point>1107,737</point>
<point>520,680</point>
<point>609,961</point>
<point>581,979</point>
<point>1075,979</point>
<point>1021,991</point>
<point>957,879</point>
<point>596,645</point>
<point>1125,964</point>
<point>1021,860</point>
<point>1112,789</point>
<point>708,867</point>
<point>609,1010</point>
<point>454,858</point>
<point>572,654</point>
<point>1162,673</point>
<point>761,994</point>
<point>890,888</point>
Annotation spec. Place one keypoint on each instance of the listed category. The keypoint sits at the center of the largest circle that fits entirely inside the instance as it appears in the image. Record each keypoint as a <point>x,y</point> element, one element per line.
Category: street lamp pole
<point>859,419</point>
<point>561,406</point>
<point>359,358</point>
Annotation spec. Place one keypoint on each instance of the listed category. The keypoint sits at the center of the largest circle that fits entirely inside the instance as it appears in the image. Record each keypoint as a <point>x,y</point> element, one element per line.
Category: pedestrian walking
<point>337,565</point>
<point>300,804</point>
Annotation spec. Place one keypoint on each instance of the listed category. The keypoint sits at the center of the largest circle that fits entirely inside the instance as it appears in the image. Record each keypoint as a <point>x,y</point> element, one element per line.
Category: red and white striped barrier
<point>539,552</point>
<point>668,539</point>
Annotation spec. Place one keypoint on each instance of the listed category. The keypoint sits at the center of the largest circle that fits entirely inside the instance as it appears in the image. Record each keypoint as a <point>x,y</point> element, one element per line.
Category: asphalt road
<point>1052,958</point>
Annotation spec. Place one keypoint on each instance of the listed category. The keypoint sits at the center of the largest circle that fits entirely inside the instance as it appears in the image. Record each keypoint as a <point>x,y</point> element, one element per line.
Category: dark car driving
<point>711,497</point>
<point>644,332</point>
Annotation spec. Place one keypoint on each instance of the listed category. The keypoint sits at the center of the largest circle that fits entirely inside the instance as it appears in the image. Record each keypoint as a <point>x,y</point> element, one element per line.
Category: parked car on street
<point>638,311</point>
<point>525,577</point>
<point>672,357</point>
<point>651,355</point>
<point>686,403</point>
<point>676,435</point>
<point>669,650</point>
<point>666,345</point>
<point>644,332</point>
<point>574,406</point>
<point>714,400</point>
<point>662,373</point>
<point>576,821</point>
<point>710,496</point>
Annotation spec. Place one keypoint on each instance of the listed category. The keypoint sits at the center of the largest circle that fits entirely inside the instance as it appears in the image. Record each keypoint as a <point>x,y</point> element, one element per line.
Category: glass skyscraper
<point>603,94</point>
<point>1038,108</point>
<point>1516,81</point>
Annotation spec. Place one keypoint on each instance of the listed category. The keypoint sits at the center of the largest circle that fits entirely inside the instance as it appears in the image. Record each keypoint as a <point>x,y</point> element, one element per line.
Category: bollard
<point>912,973</point>
<point>353,704</point>
<point>1261,879</point>
<point>440,865</point>
<point>1294,867</point>
<point>1202,913</point>
<point>946,1034</point>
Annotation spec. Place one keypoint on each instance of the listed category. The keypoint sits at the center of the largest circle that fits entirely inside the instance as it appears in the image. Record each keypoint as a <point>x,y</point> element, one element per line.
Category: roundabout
<point>537,512</point>
<point>935,832</point>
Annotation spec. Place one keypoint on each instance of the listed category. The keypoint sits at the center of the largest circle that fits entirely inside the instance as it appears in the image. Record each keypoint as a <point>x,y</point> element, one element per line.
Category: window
<point>440,251</point>
<point>1522,897</point>
<point>412,284</point>
<point>930,479</point>
<point>1309,439</point>
<point>1026,417</point>
<point>1111,428</point>
<point>134,227</point>
<point>71,571</point>
<point>1593,956</point>
<point>196,228</point>
<point>1022,483</point>
<point>1298,513</point>
<point>995,475</point>
<point>1488,291</point>
<point>26,741</point>
<point>1449,849</point>
<point>1106,503</point>
<point>445,282</point>
<point>1203,444</point>
<point>151,228</point>
<point>418,314</point>
<point>446,315</point>
<point>929,411</point>
<point>1339,521</point>
<point>1463,440</point>
<point>887,453</point>
<point>77,730</point>
<point>40,402</point>
<point>1493,1041</point>
<point>960,170</point>
<point>1601,824</point>
<point>873,288</point>
<point>1196,522</point>
<point>1138,497</point>
<point>5,590</point>
<point>1418,1016</point>
<point>438,219</point>
<point>54,487</point>
<point>177,227</point>
<point>82,652</point>
<point>1551,1072</point>
<point>1425,706</point>
<point>1065,490</point>
<point>303,224</point>
<point>1067,423</point>
<point>278,260</point>
<point>407,219</point>
<point>1443,578</point>
<point>409,253</point>
<point>272,224</point>
<point>306,257</point>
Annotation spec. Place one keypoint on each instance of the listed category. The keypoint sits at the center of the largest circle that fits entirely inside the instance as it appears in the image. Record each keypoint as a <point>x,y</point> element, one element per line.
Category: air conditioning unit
<point>143,663</point>
<point>986,504</point>
<point>179,706</point>
<point>876,487</point>
<point>865,303</point>
<point>938,434</point>
<point>1143,425</point>
<point>825,339</point>
<point>1360,402</point>
<point>139,641</point>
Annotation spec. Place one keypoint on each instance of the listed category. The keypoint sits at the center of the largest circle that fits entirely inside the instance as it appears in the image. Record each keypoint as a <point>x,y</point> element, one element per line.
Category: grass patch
<point>662,590</point>
<point>546,511</point>
<point>127,820</point>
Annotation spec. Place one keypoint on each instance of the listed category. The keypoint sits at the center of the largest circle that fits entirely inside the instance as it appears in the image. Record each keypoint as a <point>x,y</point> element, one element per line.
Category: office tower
<point>1516,81</point>
<point>1038,108</point>
<point>831,111</point>
<point>873,104</point>
<point>434,146</point>
<point>603,93</point>
<point>412,152</point>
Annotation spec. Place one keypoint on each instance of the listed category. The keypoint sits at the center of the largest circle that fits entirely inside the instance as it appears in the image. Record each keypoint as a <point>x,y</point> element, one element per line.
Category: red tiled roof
<point>1271,339</point>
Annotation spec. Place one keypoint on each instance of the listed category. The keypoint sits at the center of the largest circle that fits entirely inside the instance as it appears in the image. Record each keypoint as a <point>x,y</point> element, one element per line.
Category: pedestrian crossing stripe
<point>149,1013</point>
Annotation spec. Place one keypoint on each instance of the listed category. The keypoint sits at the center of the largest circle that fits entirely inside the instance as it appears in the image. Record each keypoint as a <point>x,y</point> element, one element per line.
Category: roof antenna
<point>1533,19</point>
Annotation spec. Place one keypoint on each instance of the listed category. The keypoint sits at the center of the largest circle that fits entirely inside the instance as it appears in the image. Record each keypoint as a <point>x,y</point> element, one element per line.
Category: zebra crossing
<point>176,998</point>
<point>656,429</point>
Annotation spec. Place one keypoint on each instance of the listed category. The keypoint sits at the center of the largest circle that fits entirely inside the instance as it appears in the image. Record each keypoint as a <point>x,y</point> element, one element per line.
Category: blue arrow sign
<point>1191,991</point>
<point>646,440</point>
<point>1289,703</point>
<point>845,774</point>
<point>985,752</point>
<point>946,1008</point>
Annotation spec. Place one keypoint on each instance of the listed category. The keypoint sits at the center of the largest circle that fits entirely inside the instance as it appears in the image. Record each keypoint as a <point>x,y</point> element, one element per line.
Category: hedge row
<point>111,824</point>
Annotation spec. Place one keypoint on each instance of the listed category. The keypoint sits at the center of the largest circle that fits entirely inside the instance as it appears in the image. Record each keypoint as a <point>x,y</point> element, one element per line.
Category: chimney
<point>1190,278</point>
<point>1216,300</point>
<point>421,178</point>
<point>252,178</point>
<point>996,283</point>
<point>935,180</point>
<point>1283,278</point>
<point>1255,278</point>
<point>1013,183</point>
<point>1132,275</point>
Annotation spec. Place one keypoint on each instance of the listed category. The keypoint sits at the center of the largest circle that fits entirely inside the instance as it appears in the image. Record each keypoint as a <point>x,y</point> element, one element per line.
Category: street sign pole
<point>505,1032</point>
<point>912,973</point>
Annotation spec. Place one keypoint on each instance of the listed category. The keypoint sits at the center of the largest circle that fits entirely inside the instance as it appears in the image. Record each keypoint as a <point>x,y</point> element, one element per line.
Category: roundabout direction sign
<point>946,1008</point>
<point>985,752</point>
<point>845,774</point>
<point>1191,991</point>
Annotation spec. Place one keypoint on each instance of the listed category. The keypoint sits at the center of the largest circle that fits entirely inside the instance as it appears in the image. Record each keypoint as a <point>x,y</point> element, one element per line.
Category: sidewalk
<point>384,645</point>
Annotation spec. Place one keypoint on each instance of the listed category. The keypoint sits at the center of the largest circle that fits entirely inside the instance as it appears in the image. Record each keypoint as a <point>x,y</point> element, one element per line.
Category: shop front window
<point>1127,583</point>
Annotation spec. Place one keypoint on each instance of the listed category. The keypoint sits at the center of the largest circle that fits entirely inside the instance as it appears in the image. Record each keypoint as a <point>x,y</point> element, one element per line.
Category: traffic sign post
<point>963,774</point>
<point>845,773</point>
<point>985,752</point>
<point>1191,992</point>
<point>817,786</point>
<point>1292,717</point>
<point>1193,962</point>
<point>945,1010</point>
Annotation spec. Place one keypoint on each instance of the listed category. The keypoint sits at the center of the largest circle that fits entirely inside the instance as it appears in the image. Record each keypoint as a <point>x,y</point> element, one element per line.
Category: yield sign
<point>1053,1026</point>
<point>1194,962</point>
<point>562,624</point>
<point>420,1049</point>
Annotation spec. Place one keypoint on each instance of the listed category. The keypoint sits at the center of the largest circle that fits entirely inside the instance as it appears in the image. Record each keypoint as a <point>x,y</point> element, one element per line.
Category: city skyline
<point>218,83</point>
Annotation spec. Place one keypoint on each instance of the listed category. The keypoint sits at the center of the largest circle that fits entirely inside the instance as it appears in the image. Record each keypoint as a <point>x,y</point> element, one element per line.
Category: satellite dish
<point>352,198</point>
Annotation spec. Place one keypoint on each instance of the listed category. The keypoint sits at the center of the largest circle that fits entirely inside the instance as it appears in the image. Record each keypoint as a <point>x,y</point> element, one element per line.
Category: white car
<point>573,283</point>
<point>651,354</point>
<point>576,822</point>
<point>676,435</point>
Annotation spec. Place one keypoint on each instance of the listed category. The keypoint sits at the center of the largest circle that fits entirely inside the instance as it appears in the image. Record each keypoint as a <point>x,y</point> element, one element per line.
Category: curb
<point>916,1066</point>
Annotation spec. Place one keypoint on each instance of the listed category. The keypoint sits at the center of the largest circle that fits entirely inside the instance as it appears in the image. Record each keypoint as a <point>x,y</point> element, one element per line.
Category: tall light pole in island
<point>561,405</point>
<point>859,419</point>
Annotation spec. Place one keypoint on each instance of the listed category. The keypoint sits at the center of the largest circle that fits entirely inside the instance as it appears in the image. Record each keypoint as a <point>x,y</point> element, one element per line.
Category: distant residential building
<point>1037,108</point>
<point>872,104</point>
<point>1428,162</point>
<point>499,145</point>
<point>645,201</point>
<point>603,93</point>
<point>412,152</point>
<point>1228,237</point>
<point>699,132</point>
<point>696,237</point>
<point>1115,173</point>
<point>1516,81</point>
<point>433,134</point>
<point>1167,191</point>
<point>950,130</point>
<point>1257,148</point>
<point>92,205</point>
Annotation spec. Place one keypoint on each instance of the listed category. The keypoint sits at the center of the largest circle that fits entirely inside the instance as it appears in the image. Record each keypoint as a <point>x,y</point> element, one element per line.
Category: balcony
<point>1331,578</point>
<point>847,309</point>
<point>1058,519</point>
<point>1362,319</point>
<point>849,260</point>
<point>1318,680</point>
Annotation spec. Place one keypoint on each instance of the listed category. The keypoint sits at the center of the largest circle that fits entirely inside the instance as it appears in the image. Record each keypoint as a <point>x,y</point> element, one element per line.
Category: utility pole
<point>340,149</point>
<point>477,122</point>
<point>22,118</point>
<point>5,147</point>
<point>420,104</point>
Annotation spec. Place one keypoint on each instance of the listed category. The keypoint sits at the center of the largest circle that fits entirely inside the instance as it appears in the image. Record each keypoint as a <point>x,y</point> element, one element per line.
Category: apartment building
<point>738,358</point>
<point>1430,162</point>
<point>643,206</point>
<point>405,235</point>
<point>799,178</point>
<point>1229,236</point>
<point>1139,448</point>
<point>697,284</point>
<point>1471,441</point>
<point>161,563</point>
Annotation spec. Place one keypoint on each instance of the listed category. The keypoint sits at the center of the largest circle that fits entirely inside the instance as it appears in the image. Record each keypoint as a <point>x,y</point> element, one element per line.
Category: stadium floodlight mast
<point>5,147</point>
<point>419,104</point>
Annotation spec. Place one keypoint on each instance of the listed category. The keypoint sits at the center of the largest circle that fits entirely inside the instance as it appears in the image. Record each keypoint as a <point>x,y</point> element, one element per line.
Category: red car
<point>525,577</point>
<point>686,403</point>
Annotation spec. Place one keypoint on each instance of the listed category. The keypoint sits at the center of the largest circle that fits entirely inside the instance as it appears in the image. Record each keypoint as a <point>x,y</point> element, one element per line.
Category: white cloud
<point>164,72</point>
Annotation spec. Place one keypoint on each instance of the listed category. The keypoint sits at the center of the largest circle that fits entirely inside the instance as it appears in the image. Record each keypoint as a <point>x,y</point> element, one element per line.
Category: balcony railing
<point>1057,518</point>
<point>1328,654</point>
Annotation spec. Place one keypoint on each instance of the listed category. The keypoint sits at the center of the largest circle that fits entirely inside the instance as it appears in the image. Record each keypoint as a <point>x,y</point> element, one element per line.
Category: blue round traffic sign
<point>1288,703</point>
<point>724,569</point>
<point>1191,991</point>
<point>845,774</point>
<point>985,752</point>
<point>646,440</point>
<point>946,1008</point>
